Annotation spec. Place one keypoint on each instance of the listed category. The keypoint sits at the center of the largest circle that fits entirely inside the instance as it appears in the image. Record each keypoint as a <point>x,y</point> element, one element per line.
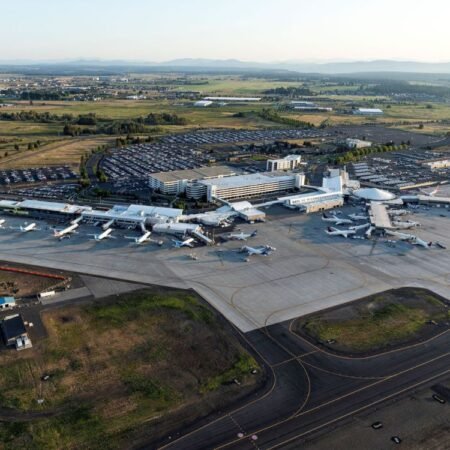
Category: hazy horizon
<point>246,30</point>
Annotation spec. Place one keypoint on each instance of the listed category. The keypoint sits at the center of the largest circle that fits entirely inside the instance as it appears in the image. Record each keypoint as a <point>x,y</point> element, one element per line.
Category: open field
<point>117,364</point>
<point>376,322</point>
<point>63,152</point>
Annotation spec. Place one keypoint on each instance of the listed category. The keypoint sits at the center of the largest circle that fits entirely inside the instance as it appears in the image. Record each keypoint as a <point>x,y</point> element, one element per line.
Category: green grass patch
<point>240,370</point>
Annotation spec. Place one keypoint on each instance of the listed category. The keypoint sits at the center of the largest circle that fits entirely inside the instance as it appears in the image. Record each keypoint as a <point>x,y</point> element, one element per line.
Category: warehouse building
<point>175,182</point>
<point>253,185</point>
<point>289,162</point>
<point>368,111</point>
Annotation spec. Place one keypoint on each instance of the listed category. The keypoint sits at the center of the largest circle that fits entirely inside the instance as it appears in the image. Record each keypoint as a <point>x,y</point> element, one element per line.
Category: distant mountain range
<point>192,64</point>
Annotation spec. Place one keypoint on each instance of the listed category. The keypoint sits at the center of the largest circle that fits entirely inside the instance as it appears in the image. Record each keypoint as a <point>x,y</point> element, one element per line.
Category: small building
<point>289,162</point>
<point>355,143</point>
<point>7,302</point>
<point>14,332</point>
<point>368,111</point>
<point>203,103</point>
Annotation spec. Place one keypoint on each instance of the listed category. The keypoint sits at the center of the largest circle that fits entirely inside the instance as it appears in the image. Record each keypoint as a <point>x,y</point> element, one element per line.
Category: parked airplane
<point>405,224</point>
<point>26,228</point>
<point>2,222</point>
<point>144,239</point>
<point>332,231</point>
<point>359,227</point>
<point>401,236</point>
<point>186,243</point>
<point>264,250</point>
<point>336,220</point>
<point>240,236</point>
<point>105,235</point>
<point>430,194</point>
<point>421,242</point>
<point>369,232</point>
<point>66,232</point>
<point>358,217</point>
<point>398,212</point>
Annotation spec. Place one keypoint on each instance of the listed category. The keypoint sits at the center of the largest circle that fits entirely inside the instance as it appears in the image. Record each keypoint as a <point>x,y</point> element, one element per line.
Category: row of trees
<point>357,154</point>
<point>273,116</point>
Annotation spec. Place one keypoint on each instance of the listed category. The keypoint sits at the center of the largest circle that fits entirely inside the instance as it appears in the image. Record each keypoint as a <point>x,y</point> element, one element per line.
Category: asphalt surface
<point>314,391</point>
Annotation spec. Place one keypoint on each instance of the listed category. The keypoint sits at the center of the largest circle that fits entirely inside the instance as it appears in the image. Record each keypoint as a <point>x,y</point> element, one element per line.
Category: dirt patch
<point>378,322</point>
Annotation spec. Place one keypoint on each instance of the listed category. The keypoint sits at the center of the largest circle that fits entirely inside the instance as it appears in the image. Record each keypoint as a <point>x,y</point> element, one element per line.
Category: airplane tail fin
<point>254,233</point>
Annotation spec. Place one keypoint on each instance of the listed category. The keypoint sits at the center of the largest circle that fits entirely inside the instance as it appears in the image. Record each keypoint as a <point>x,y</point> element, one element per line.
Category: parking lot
<point>185,151</point>
<point>54,191</point>
<point>43,174</point>
<point>400,170</point>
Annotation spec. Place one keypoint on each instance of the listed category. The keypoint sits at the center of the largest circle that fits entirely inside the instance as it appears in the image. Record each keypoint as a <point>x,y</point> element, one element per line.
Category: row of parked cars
<point>43,174</point>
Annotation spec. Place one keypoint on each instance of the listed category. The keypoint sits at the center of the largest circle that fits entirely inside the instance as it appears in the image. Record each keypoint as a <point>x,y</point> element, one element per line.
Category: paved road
<point>314,390</point>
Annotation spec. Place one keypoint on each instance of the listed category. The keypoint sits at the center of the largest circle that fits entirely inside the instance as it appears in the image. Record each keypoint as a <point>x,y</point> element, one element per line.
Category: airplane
<point>264,250</point>
<point>336,220</point>
<point>66,232</point>
<point>186,243</point>
<point>331,231</point>
<point>2,221</point>
<point>421,242</point>
<point>240,236</point>
<point>430,194</point>
<point>144,239</point>
<point>405,224</point>
<point>398,212</point>
<point>369,232</point>
<point>105,235</point>
<point>401,236</point>
<point>357,217</point>
<point>26,228</point>
<point>359,227</point>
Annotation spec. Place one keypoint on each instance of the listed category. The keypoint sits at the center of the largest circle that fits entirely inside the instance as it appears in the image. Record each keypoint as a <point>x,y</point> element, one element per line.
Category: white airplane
<point>215,219</point>
<point>421,242</point>
<point>2,222</point>
<point>66,232</point>
<point>144,239</point>
<point>405,224</point>
<point>105,235</point>
<point>359,227</point>
<point>401,236</point>
<point>430,194</point>
<point>336,220</point>
<point>331,231</point>
<point>26,228</point>
<point>264,250</point>
<point>240,236</point>
<point>398,212</point>
<point>186,243</point>
<point>358,217</point>
<point>369,232</point>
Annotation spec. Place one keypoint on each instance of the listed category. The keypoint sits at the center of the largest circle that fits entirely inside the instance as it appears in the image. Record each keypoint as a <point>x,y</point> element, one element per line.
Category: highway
<point>314,391</point>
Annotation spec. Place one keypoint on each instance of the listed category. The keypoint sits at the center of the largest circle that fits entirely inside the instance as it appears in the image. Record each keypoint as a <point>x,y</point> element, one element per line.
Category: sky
<point>249,30</point>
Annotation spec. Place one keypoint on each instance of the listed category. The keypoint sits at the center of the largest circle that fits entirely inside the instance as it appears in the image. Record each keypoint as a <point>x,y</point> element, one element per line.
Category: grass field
<point>66,151</point>
<point>117,365</point>
<point>377,322</point>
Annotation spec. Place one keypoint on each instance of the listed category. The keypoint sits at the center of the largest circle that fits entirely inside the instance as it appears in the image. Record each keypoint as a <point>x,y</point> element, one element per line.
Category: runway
<point>314,390</point>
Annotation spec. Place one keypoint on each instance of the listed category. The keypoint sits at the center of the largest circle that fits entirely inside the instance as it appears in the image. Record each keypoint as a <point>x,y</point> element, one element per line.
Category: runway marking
<point>294,358</point>
<point>345,396</point>
<point>355,411</point>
